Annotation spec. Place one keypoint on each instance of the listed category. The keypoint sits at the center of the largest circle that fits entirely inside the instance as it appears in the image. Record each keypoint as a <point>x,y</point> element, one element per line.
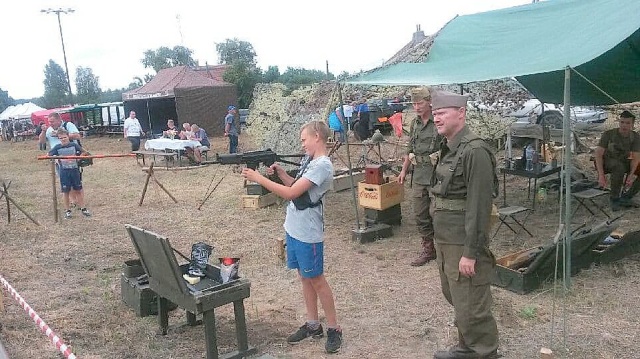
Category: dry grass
<point>69,273</point>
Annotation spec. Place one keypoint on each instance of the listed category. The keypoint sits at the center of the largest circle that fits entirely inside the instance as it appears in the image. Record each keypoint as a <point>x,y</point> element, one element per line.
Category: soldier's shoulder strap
<point>473,141</point>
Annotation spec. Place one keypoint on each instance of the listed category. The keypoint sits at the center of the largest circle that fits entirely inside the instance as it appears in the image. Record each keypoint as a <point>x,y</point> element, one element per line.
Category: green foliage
<point>111,95</point>
<point>245,77</point>
<point>234,50</point>
<point>87,86</point>
<point>529,312</point>
<point>56,89</point>
<point>297,77</point>
<point>5,100</point>
<point>271,75</point>
<point>164,57</point>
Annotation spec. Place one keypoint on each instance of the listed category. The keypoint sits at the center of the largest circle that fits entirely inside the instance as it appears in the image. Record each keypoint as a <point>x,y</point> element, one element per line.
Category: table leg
<point>535,190</point>
<point>163,315</point>
<point>209,319</point>
<point>504,189</point>
<point>191,319</point>
<point>241,325</point>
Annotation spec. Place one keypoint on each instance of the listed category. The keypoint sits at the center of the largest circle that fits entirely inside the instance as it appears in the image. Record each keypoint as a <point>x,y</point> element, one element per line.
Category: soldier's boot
<point>427,254</point>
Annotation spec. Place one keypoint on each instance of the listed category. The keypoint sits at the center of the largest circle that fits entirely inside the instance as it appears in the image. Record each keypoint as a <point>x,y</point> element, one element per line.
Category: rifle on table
<point>253,159</point>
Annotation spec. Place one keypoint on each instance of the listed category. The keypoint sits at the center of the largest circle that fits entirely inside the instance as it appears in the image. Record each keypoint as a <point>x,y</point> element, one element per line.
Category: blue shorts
<point>70,178</point>
<point>307,258</point>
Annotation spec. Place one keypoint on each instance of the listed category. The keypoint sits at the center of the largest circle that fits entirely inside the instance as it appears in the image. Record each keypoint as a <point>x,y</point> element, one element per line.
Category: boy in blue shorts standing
<point>304,227</point>
<point>69,172</point>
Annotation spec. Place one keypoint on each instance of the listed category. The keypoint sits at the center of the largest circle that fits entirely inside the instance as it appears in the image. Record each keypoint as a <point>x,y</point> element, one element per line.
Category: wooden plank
<point>258,201</point>
<point>342,182</point>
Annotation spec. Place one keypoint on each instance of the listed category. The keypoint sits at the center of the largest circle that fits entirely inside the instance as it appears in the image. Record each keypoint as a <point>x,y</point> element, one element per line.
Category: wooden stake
<point>5,194</point>
<point>546,353</point>
<point>150,175</point>
<point>146,183</point>
<point>55,194</point>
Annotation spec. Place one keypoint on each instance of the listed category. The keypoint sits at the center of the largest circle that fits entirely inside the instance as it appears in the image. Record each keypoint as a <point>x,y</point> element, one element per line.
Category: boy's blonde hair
<point>319,128</point>
<point>62,131</point>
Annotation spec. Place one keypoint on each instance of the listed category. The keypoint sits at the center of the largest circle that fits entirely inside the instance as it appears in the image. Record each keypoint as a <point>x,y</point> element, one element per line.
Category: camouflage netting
<point>276,116</point>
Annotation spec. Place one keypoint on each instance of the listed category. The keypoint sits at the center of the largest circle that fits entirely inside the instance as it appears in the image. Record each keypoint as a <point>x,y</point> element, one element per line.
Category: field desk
<point>165,279</point>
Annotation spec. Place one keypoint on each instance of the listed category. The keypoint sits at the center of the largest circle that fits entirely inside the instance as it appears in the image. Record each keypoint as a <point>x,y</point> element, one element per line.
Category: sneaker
<point>305,332</point>
<point>85,212</point>
<point>67,214</point>
<point>334,340</point>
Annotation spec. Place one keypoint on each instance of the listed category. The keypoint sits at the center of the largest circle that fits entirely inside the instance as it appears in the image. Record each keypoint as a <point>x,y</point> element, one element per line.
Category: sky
<point>110,37</point>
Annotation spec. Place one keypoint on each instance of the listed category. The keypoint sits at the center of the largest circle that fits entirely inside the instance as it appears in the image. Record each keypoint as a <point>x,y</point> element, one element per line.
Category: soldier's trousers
<point>421,204</point>
<point>618,169</point>
<point>470,297</point>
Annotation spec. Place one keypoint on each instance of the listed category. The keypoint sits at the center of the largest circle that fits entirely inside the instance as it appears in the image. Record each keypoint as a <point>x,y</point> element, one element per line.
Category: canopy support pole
<point>349,166</point>
<point>566,126</point>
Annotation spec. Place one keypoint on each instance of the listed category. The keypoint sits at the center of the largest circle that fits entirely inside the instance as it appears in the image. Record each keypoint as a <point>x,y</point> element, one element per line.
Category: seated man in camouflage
<point>618,154</point>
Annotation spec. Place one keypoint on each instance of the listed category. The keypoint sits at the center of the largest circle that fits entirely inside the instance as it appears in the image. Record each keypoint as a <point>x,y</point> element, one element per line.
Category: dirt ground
<point>70,272</point>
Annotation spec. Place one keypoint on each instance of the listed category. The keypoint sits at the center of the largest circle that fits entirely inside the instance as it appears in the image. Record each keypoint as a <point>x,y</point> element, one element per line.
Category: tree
<point>235,50</point>
<point>296,77</point>
<point>56,88</point>
<point>271,75</point>
<point>5,100</point>
<point>245,78</point>
<point>87,86</point>
<point>164,57</point>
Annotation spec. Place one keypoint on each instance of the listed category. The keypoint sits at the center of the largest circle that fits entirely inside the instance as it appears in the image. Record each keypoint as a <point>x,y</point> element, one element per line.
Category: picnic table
<point>167,148</point>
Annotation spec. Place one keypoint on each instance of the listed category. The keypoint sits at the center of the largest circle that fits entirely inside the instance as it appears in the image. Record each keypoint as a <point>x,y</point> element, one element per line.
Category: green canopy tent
<point>575,52</point>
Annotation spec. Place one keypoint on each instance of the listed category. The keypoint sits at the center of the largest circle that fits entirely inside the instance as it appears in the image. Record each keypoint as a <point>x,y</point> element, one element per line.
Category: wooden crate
<point>380,196</point>
<point>342,182</point>
<point>258,201</point>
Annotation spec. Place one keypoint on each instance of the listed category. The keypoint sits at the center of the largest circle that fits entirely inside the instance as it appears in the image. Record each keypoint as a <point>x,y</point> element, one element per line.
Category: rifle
<point>253,159</point>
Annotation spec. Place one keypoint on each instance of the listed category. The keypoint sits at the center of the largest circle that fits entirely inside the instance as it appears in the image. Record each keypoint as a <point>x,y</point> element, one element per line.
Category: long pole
<point>567,176</point>
<point>349,166</point>
<point>55,194</point>
<point>64,54</point>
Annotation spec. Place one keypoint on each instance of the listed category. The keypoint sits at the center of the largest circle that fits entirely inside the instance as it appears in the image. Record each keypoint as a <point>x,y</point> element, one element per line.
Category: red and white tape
<point>64,349</point>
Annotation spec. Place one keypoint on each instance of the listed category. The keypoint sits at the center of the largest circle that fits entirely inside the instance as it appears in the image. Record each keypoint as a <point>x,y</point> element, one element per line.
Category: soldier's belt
<point>449,204</point>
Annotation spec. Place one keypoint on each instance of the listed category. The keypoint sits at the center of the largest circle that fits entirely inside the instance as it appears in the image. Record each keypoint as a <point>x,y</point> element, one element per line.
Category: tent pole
<point>346,142</point>
<point>149,117</point>
<point>567,176</point>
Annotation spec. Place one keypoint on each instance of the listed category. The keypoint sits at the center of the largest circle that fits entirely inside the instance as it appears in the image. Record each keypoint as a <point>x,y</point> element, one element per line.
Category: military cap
<point>444,99</point>
<point>420,93</point>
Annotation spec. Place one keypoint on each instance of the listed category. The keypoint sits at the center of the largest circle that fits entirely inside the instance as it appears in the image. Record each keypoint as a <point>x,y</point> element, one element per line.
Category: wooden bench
<point>166,155</point>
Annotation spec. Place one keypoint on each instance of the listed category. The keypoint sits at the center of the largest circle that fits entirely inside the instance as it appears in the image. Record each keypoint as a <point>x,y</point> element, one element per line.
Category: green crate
<point>542,261</point>
<point>140,298</point>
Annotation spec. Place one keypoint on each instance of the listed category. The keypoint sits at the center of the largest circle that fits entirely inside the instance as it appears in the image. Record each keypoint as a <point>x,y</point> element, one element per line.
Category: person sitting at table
<point>618,153</point>
<point>171,131</point>
<point>199,134</point>
<point>186,132</point>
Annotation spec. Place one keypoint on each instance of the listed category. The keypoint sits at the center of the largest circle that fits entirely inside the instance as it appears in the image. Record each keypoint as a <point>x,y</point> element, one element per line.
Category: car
<point>553,115</point>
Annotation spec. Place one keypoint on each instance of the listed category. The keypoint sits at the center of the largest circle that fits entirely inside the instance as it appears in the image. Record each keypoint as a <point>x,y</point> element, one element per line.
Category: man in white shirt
<point>133,131</point>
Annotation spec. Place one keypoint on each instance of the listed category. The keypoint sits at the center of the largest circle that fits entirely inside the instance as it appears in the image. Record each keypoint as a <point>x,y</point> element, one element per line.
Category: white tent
<point>7,111</point>
<point>22,111</point>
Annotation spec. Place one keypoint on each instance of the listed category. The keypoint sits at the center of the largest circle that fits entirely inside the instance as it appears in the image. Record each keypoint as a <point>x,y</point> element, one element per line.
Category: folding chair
<point>506,214</point>
<point>587,199</point>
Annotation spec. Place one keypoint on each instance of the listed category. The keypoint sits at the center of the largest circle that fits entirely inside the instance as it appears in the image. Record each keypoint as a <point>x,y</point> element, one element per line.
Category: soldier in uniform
<point>612,156</point>
<point>463,186</point>
<point>424,140</point>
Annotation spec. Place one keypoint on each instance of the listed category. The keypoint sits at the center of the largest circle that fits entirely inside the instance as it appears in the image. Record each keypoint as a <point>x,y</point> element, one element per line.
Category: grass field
<point>69,272</point>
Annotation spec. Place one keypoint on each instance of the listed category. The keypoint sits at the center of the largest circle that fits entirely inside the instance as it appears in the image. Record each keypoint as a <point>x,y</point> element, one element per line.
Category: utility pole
<point>64,53</point>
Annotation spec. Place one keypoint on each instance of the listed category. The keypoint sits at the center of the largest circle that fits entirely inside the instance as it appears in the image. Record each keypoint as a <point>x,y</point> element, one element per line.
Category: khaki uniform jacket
<point>618,147</point>
<point>464,184</point>
<point>423,141</point>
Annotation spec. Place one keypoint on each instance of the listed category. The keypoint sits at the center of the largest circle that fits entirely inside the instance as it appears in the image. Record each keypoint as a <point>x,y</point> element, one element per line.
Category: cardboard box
<point>380,196</point>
